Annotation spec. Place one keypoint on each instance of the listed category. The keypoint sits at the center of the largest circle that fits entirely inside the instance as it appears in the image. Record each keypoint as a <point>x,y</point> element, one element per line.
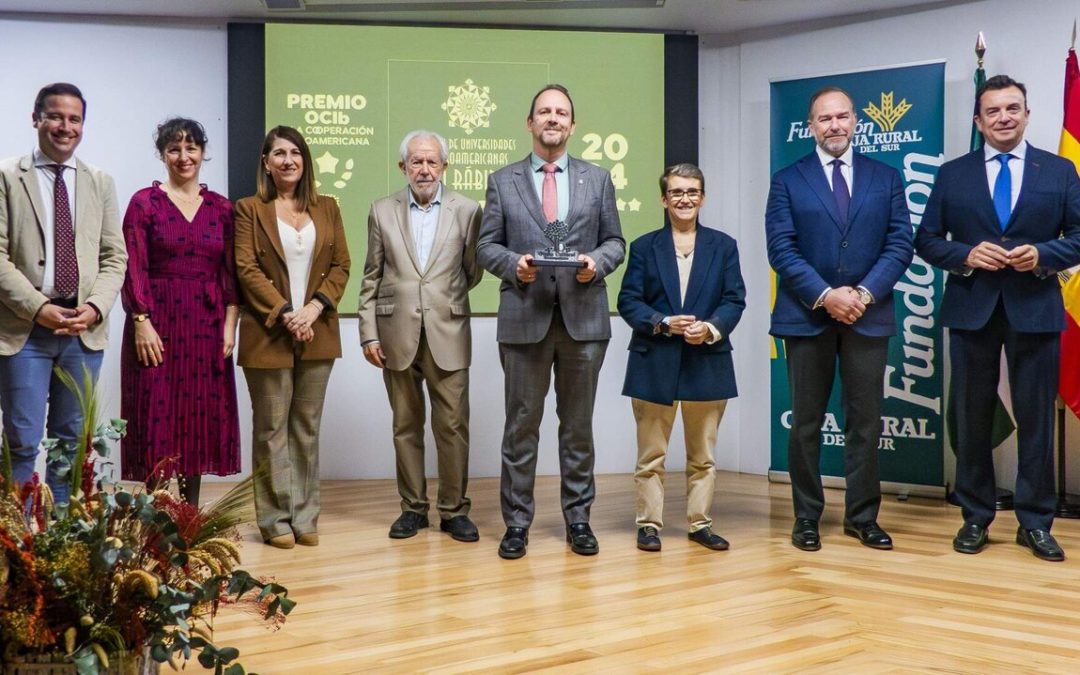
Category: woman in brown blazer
<point>292,263</point>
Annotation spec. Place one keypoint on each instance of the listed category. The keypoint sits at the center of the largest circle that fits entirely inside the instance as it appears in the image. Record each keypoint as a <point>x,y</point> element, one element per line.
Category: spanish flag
<point>1069,382</point>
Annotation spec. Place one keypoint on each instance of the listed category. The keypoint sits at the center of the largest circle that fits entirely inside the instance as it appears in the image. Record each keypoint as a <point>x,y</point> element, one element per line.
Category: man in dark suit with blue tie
<point>682,294</point>
<point>1003,221</point>
<point>839,238</point>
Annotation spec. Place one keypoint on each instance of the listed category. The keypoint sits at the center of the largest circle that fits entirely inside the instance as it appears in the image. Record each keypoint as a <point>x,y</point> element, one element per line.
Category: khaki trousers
<point>286,406</point>
<point>701,419</point>
<point>449,394</point>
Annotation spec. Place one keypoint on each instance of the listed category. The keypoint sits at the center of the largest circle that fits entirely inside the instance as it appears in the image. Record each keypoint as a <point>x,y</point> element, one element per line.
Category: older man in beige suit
<point>414,324</point>
<point>62,261</point>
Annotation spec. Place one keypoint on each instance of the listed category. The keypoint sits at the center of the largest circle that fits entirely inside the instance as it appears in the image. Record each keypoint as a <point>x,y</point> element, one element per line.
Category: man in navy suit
<point>1013,213</point>
<point>839,238</point>
<point>682,294</point>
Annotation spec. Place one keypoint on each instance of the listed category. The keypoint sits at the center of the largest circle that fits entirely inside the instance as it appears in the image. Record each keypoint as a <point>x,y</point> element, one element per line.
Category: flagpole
<point>1066,507</point>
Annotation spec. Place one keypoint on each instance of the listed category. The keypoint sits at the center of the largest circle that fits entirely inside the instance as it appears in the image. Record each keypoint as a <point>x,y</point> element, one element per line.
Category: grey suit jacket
<point>99,247</point>
<point>397,297</point>
<point>513,226</point>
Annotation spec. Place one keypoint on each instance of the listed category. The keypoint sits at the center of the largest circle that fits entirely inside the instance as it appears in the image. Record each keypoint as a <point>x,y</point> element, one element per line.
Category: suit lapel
<point>33,191</point>
<point>267,217</point>
<point>442,228</point>
<point>527,192</point>
<point>578,188</point>
<point>704,250</point>
<point>82,200</point>
<point>1031,178</point>
<point>983,198</point>
<point>664,248</point>
<point>401,212</point>
<point>863,178</point>
<point>814,175</point>
<point>323,228</point>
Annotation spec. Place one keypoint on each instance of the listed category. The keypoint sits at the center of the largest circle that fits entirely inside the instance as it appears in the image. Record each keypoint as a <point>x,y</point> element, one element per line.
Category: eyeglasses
<point>692,194</point>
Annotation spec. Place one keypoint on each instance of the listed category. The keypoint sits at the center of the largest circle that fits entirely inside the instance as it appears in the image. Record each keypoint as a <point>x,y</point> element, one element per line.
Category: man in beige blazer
<point>414,324</point>
<point>62,262</point>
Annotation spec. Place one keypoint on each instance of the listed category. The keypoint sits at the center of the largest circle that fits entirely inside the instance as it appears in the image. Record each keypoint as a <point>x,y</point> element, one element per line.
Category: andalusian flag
<point>1003,425</point>
<point>1069,382</point>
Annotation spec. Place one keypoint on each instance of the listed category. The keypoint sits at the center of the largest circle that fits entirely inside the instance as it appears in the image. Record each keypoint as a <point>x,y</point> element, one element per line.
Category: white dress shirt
<point>47,184</point>
<point>423,222</point>
<point>846,168</point>
<point>1016,169</point>
<point>299,247</point>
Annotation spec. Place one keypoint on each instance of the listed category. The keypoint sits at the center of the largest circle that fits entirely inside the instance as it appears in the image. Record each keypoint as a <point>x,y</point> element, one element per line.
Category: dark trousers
<point>527,371</point>
<point>1032,360</point>
<point>811,362</point>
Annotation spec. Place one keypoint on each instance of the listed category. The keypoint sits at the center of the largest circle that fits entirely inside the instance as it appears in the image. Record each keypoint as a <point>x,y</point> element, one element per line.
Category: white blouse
<point>299,246</point>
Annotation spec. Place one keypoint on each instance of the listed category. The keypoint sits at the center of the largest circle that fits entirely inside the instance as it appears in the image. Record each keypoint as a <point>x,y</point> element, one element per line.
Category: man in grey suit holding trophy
<point>552,316</point>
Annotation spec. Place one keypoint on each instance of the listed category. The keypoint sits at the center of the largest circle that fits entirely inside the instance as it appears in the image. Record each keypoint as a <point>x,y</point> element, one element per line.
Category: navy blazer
<point>1047,214</point>
<point>662,368</point>
<point>811,248</point>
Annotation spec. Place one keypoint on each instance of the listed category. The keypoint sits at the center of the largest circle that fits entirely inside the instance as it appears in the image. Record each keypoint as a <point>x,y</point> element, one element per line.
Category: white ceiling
<point>737,19</point>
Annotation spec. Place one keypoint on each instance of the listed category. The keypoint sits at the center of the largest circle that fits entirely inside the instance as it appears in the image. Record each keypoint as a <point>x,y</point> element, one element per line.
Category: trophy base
<point>556,262</point>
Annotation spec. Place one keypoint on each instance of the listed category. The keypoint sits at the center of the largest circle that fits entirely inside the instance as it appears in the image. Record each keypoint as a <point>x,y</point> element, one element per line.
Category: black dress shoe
<point>870,535</point>
<point>514,543</point>
<point>1041,543</point>
<point>581,539</point>
<point>805,535</point>
<point>460,528</point>
<point>708,539</point>
<point>971,538</point>
<point>648,538</point>
<point>407,525</point>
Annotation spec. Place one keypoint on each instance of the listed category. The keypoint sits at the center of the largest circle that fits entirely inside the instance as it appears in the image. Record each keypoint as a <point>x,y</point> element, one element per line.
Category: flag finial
<point>980,46</point>
<point>1073,45</point>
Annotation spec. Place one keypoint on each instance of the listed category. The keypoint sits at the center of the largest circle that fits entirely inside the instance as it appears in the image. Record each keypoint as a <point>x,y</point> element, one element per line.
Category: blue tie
<point>1003,191</point>
<point>840,190</point>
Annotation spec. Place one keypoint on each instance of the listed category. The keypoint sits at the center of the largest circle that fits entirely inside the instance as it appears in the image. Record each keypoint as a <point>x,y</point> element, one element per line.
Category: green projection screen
<point>355,91</point>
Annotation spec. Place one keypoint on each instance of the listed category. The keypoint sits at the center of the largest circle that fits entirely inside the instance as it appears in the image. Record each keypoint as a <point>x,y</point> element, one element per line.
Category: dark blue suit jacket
<point>663,369</point>
<point>961,206</point>
<point>811,248</point>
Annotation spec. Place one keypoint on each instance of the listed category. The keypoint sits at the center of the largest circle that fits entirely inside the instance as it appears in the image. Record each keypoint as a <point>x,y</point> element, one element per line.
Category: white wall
<point>1028,41</point>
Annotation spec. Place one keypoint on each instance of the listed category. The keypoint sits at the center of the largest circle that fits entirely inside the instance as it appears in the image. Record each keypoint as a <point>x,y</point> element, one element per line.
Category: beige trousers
<point>701,419</point>
<point>449,394</point>
<point>286,406</point>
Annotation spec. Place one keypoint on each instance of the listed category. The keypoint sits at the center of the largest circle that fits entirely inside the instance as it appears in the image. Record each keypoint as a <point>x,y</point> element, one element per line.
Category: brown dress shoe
<point>308,539</point>
<point>282,541</point>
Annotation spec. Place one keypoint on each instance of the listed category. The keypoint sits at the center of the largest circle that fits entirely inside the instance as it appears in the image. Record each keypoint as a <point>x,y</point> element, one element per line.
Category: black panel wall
<point>680,100</point>
<point>246,114</point>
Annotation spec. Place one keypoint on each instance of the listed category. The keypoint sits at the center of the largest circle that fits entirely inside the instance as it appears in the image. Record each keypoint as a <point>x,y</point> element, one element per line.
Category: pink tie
<point>550,198</point>
<point>67,265</point>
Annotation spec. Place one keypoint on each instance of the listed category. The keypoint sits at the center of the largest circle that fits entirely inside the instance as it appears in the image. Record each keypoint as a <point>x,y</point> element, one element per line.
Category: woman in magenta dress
<point>178,385</point>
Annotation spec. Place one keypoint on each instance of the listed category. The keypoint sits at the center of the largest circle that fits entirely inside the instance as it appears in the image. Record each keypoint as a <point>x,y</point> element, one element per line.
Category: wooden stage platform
<point>369,604</point>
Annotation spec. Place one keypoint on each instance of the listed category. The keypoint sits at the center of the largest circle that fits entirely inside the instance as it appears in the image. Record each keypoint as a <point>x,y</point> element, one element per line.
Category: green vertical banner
<point>355,91</point>
<point>900,122</point>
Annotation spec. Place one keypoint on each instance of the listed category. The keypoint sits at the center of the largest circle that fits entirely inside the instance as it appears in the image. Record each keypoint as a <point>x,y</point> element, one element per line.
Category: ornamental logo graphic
<point>327,163</point>
<point>468,106</point>
<point>888,114</point>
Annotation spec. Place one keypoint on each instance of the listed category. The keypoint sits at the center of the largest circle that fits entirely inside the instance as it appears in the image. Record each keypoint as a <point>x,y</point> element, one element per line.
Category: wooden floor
<point>429,604</point>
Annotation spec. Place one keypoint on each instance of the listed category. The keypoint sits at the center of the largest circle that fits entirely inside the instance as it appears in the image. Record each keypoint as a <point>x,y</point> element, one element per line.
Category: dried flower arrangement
<point>139,575</point>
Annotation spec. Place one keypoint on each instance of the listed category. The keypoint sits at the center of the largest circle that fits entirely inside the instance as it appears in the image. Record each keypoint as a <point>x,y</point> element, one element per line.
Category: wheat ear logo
<point>889,113</point>
<point>469,106</point>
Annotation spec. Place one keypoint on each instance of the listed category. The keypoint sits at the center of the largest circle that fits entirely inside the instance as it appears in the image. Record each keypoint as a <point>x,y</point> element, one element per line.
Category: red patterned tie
<point>550,199</point>
<point>67,265</point>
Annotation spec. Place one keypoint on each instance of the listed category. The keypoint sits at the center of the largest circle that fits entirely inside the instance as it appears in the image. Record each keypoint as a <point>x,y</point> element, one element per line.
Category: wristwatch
<point>864,296</point>
<point>139,318</point>
<point>664,327</point>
